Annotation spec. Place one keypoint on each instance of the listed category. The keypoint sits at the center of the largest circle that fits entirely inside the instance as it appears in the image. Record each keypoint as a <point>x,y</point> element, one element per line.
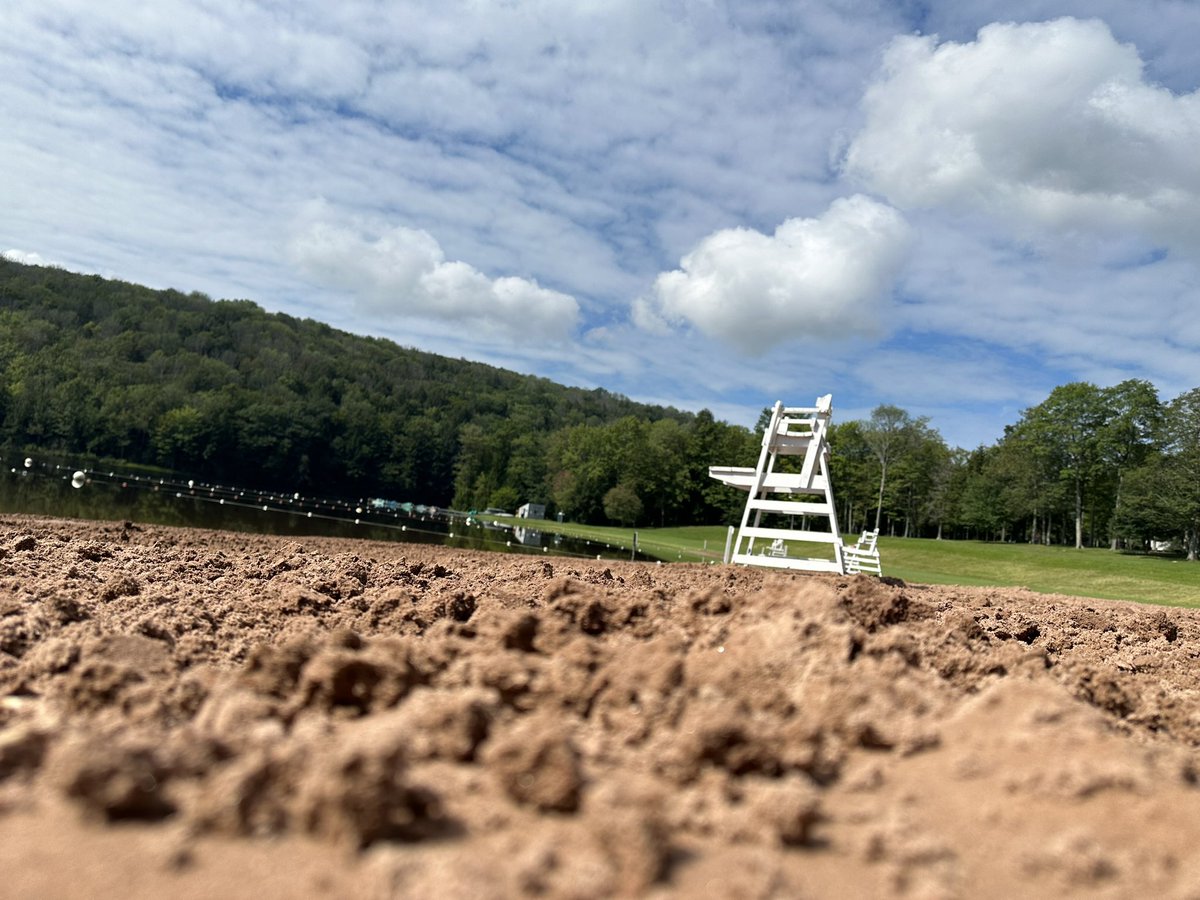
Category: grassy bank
<point>1056,570</point>
<point>700,543</point>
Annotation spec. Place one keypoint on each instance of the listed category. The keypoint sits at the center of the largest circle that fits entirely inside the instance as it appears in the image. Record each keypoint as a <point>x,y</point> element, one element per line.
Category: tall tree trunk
<point>1116,543</point>
<point>1078,514</point>
<point>879,507</point>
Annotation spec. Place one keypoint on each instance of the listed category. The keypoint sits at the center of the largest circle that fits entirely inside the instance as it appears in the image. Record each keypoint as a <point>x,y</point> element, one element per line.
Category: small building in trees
<point>532,511</point>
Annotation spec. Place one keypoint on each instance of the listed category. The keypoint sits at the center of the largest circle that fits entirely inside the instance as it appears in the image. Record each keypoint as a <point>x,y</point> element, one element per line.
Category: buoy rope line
<point>308,506</point>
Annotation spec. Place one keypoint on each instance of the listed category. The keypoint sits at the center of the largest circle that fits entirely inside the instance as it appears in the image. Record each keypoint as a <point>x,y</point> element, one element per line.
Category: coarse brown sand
<point>203,714</point>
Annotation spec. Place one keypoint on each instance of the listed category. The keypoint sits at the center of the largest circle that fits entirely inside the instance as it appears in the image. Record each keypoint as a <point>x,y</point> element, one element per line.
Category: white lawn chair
<point>863,556</point>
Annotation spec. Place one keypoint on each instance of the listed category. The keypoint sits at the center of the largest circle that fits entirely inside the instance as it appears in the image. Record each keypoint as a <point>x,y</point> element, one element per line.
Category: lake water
<point>46,488</point>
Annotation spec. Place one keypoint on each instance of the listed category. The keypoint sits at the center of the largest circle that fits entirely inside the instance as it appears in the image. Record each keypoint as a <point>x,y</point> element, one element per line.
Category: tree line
<point>228,392</point>
<point>1088,466</point>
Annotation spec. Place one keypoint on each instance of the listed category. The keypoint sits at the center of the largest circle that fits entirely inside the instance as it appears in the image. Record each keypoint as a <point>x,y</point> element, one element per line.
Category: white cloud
<point>588,147</point>
<point>404,273</point>
<point>823,278</point>
<point>256,48</point>
<point>22,256</point>
<point>1052,124</point>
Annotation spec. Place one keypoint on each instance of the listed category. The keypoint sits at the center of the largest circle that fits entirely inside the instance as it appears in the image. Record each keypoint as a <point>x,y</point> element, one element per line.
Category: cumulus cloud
<point>814,278</point>
<point>405,273</point>
<point>22,256</point>
<point>1052,124</point>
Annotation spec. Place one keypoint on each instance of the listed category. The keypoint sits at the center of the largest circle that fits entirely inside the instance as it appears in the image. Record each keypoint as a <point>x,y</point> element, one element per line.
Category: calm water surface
<point>45,488</point>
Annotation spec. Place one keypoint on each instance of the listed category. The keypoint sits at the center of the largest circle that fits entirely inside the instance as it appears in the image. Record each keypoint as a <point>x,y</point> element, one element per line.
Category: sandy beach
<point>198,714</point>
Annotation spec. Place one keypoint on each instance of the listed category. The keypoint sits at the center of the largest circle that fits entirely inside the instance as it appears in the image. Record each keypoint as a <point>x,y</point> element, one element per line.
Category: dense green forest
<point>228,392</point>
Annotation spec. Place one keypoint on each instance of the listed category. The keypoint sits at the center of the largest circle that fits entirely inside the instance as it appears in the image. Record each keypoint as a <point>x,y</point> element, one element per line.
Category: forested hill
<point>230,392</point>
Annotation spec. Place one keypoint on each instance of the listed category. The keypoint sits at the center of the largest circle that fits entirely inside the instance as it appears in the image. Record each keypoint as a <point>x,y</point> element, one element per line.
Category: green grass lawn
<point>1057,570</point>
<point>699,543</point>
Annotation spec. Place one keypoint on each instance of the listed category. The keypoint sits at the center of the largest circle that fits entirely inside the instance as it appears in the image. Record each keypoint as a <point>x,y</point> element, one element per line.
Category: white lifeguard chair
<point>863,556</point>
<point>806,495</point>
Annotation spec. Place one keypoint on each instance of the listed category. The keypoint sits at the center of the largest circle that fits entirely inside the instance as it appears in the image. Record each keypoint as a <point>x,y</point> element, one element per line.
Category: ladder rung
<point>792,444</point>
<point>788,534</point>
<point>785,562</point>
<point>743,477</point>
<point>790,507</point>
<point>788,482</point>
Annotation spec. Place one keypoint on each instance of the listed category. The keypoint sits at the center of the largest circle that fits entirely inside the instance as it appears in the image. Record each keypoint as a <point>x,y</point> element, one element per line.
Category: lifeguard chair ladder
<point>808,494</point>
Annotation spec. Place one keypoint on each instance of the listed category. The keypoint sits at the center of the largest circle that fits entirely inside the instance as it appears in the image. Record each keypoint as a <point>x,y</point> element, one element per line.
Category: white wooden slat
<point>790,483</point>
<point>790,507</point>
<point>788,534</point>
<point>784,562</point>
<point>793,445</point>
<point>812,458</point>
<point>776,482</point>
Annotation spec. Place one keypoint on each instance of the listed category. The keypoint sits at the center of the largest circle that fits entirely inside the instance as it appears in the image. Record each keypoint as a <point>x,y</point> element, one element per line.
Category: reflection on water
<point>528,536</point>
<point>47,489</point>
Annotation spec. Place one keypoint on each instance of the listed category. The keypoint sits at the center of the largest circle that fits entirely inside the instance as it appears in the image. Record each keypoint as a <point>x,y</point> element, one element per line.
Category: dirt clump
<point>344,718</point>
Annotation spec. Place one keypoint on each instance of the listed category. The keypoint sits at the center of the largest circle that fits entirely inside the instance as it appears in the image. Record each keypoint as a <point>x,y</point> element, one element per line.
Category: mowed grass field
<point>1099,573</point>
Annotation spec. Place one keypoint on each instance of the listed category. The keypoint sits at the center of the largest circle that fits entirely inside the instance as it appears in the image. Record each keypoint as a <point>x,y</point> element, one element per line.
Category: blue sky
<point>947,206</point>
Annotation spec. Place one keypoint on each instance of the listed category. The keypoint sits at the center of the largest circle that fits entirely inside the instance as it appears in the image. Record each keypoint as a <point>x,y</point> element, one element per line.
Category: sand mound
<point>200,714</point>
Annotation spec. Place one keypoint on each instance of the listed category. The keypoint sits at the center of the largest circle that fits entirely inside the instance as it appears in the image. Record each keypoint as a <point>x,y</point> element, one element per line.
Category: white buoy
<point>77,480</point>
<point>29,462</point>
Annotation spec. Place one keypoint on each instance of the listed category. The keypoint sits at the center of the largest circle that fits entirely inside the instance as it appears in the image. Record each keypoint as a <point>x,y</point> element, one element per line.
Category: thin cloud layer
<point>823,278</point>
<point>405,273</point>
<point>552,161</point>
<point>1052,124</point>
